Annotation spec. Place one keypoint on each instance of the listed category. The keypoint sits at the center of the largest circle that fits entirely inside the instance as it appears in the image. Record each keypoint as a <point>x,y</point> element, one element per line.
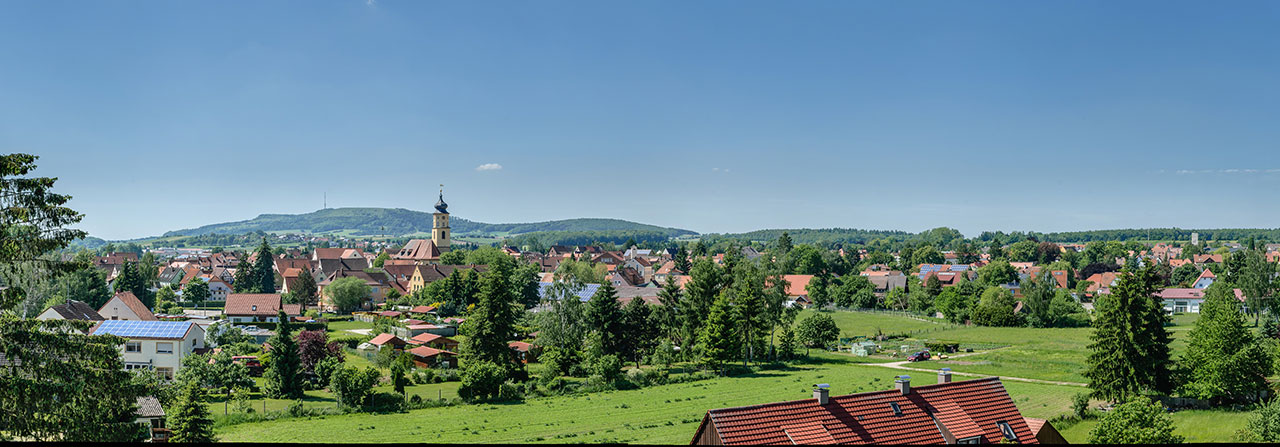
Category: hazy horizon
<point>710,116</point>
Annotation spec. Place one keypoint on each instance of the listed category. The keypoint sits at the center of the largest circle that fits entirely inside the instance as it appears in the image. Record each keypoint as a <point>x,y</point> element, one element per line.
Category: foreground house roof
<point>930,414</point>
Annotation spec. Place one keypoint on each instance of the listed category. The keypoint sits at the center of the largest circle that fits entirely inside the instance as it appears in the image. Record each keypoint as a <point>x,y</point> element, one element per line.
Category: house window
<point>164,348</point>
<point>164,373</point>
<point>133,346</point>
<point>1007,431</point>
<point>973,440</point>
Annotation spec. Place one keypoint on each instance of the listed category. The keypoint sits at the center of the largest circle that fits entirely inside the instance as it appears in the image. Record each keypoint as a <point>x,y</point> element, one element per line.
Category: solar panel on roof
<point>144,329</point>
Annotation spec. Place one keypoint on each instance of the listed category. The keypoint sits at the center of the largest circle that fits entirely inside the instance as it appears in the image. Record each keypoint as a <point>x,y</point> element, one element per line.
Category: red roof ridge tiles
<point>926,415</point>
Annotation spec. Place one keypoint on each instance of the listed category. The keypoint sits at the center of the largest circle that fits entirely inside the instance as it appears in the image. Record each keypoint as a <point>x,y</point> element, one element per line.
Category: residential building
<point>126,306</point>
<point>258,308</point>
<point>71,310</point>
<point>970,412</point>
<point>155,345</point>
<point>1205,279</point>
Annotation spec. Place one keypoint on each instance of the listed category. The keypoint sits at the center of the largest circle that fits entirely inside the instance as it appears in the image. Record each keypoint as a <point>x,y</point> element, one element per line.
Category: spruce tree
<point>491,324</point>
<point>243,280</point>
<point>282,375</point>
<point>717,336</point>
<point>190,421</point>
<point>682,260</point>
<point>705,283</point>
<point>306,290</point>
<point>669,312</point>
<point>784,244</point>
<point>130,280</point>
<point>1224,361</point>
<point>262,269</point>
<point>1130,353</point>
<point>605,317</point>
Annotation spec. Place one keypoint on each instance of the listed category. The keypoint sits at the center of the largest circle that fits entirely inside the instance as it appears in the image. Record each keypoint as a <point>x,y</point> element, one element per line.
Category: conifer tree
<point>705,283</point>
<point>243,280</point>
<point>1130,353</point>
<point>263,272</point>
<point>682,260</point>
<point>491,324</point>
<point>605,317</point>
<point>191,421</point>
<point>1224,361</point>
<point>669,312</point>
<point>717,336</point>
<point>282,375</point>
<point>306,291</point>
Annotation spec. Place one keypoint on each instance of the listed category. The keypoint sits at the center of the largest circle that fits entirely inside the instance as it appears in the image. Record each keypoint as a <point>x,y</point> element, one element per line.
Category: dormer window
<point>1007,431</point>
<point>254,308</point>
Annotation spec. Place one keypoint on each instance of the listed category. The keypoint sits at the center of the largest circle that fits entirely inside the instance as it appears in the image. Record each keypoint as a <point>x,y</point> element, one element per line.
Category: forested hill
<point>399,221</point>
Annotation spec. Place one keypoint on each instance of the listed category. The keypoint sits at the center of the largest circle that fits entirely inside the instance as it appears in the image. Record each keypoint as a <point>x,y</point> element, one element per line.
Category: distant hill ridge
<point>400,221</point>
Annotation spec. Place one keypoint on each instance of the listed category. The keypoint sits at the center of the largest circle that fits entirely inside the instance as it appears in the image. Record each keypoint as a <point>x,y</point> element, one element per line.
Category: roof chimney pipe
<point>944,375</point>
<point>821,392</point>
<point>903,384</point>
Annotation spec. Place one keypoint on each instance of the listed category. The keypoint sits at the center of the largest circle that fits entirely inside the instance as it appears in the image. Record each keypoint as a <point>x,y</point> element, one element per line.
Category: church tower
<point>440,224</point>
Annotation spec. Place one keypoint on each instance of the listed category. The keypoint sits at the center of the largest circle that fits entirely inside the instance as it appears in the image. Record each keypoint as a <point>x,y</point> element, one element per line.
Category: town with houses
<point>666,223</point>
<point>393,319</point>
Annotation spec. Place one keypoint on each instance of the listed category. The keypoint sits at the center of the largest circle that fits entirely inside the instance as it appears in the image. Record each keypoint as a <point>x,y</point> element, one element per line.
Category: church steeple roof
<point>440,205</point>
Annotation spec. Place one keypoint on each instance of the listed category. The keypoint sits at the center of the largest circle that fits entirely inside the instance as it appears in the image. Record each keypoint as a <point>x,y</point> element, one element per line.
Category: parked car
<point>919,356</point>
<point>251,362</point>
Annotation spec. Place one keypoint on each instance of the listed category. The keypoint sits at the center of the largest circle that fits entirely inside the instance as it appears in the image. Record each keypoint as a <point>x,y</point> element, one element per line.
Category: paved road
<point>902,365</point>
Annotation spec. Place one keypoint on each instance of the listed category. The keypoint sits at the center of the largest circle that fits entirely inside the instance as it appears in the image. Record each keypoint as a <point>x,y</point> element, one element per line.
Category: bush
<point>608,368</point>
<point>425,376</point>
<point>325,368</point>
<point>1139,421</point>
<point>481,380</point>
<point>448,375</point>
<point>510,391</point>
<point>1080,405</point>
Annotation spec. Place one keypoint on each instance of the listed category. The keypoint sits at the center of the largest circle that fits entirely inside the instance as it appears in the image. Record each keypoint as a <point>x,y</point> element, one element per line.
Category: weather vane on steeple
<point>440,205</point>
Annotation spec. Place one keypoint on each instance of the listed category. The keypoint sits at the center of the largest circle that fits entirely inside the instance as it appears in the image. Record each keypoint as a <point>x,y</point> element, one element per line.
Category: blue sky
<point>716,116</point>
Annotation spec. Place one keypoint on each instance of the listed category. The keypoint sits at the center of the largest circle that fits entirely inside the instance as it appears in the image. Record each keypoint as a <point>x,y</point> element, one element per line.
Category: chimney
<point>903,384</point>
<point>821,392</point>
<point>944,375</point>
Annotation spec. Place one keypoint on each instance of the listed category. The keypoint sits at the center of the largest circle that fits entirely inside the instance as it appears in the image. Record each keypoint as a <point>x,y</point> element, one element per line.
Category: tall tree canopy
<point>1130,353</point>
<point>50,363</point>
<point>1224,361</point>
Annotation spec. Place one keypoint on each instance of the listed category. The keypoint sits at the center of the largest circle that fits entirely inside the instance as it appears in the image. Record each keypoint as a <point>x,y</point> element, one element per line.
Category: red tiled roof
<point>389,313</point>
<point>384,338</point>
<point>133,303</point>
<point>428,337</point>
<point>428,352</point>
<point>966,409</point>
<point>1205,274</point>
<point>422,309</point>
<point>258,304</point>
<point>796,284</point>
<point>520,346</point>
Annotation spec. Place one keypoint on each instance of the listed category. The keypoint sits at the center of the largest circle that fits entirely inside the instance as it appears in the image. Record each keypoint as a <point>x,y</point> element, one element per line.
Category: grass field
<point>661,415</point>
<point>1048,354</point>
<point>318,399</point>
<point>669,414</point>
<point>869,324</point>
<point>1194,425</point>
<point>340,326</point>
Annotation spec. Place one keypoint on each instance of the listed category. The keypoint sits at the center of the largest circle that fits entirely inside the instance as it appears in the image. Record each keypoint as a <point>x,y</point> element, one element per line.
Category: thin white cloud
<point>1225,171</point>
<point>719,169</point>
<point>489,167</point>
